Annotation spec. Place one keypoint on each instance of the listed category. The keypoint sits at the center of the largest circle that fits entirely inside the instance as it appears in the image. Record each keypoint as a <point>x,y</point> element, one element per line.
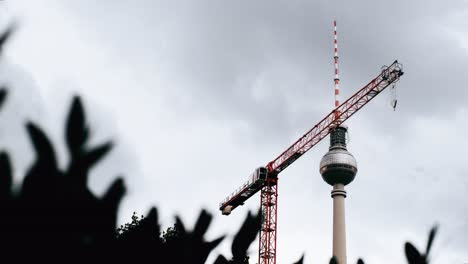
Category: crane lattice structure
<point>265,179</point>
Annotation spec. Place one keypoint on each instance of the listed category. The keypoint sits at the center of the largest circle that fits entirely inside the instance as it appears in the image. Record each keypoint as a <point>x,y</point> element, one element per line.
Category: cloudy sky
<point>199,93</point>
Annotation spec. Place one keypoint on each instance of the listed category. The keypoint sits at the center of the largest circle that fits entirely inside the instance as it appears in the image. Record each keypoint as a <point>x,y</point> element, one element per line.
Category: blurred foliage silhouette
<point>54,216</point>
<point>414,256</point>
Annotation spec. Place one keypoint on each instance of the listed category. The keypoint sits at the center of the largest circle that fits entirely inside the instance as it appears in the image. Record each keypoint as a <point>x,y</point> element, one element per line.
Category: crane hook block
<point>394,103</point>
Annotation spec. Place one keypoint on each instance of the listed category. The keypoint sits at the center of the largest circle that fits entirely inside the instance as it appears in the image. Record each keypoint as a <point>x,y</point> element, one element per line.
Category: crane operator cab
<point>259,175</point>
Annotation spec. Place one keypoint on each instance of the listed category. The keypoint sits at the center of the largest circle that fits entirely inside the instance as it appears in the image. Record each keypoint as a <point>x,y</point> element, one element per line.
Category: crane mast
<point>266,178</point>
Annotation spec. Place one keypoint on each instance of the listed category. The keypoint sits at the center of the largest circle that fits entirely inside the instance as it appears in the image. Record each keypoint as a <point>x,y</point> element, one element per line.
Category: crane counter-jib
<point>255,183</point>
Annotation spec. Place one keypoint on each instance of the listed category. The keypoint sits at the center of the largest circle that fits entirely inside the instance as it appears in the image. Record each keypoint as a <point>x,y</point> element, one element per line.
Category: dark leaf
<point>91,157</point>
<point>214,243</point>
<point>114,194</point>
<point>333,260</point>
<point>246,235</point>
<point>152,219</point>
<point>412,254</point>
<point>5,176</point>
<point>110,202</point>
<point>180,226</point>
<point>3,95</point>
<point>76,131</point>
<point>6,35</point>
<point>80,165</point>
<point>221,260</point>
<point>300,261</point>
<point>41,183</point>
<point>203,222</point>
<point>430,240</point>
<point>42,146</point>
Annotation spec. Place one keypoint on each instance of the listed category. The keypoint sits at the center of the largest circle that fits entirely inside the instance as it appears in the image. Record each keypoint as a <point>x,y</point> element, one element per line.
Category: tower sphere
<point>338,165</point>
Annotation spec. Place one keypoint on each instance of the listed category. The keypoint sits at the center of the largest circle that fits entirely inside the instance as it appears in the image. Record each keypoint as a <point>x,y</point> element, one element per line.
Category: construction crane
<point>265,179</point>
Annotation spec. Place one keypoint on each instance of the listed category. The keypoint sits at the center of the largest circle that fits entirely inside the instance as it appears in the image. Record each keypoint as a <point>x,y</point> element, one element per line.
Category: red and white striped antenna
<point>337,78</point>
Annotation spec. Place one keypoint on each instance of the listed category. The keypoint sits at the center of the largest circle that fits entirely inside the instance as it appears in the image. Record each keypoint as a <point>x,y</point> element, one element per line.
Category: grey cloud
<point>213,54</point>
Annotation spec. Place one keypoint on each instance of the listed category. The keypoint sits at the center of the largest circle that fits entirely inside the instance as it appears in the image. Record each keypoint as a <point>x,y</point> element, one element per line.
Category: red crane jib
<point>336,117</point>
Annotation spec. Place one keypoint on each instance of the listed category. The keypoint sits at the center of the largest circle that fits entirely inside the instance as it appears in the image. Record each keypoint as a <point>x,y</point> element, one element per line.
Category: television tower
<point>338,168</point>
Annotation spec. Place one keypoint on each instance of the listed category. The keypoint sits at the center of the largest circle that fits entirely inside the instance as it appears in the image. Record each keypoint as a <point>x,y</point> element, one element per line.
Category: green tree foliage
<point>137,226</point>
<point>171,234</point>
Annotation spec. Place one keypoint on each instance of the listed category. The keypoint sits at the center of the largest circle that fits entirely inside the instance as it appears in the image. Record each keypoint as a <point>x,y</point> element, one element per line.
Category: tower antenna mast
<point>337,77</point>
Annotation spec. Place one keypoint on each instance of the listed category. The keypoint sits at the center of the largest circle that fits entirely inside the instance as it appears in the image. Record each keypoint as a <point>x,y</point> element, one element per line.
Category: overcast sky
<point>199,93</point>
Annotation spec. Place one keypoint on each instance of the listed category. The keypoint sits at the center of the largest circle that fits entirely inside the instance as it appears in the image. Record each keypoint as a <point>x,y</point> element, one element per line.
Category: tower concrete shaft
<point>339,227</point>
<point>338,168</point>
